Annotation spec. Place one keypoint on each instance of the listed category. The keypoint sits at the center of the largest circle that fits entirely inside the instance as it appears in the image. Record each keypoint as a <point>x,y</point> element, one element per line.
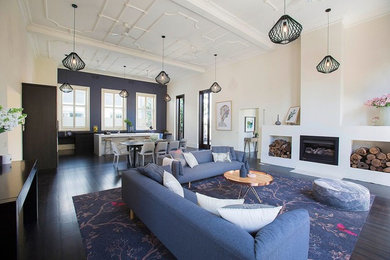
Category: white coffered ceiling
<point>113,33</point>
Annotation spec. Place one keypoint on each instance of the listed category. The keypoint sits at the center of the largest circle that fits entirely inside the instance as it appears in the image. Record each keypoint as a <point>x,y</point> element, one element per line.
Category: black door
<point>180,117</point>
<point>40,131</point>
<point>204,119</point>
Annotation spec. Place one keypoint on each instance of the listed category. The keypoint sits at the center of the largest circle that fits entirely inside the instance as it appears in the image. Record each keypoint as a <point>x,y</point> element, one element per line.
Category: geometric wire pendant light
<point>66,88</point>
<point>215,87</point>
<point>73,61</point>
<point>167,98</point>
<point>162,78</point>
<point>328,64</point>
<point>124,93</point>
<point>285,30</point>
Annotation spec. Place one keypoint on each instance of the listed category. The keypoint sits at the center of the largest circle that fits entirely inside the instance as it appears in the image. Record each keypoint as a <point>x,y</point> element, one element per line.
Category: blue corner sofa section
<point>207,167</point>
<point>190,232</point>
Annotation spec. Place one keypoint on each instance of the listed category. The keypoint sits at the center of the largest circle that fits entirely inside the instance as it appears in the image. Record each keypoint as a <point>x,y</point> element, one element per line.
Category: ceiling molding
<point>219,16</point>
<point>56,34</point>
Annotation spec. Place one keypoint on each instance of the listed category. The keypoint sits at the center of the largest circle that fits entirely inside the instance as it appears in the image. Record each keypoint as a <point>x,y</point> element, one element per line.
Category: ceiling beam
<point>220,16</point>
<point>61,35</point>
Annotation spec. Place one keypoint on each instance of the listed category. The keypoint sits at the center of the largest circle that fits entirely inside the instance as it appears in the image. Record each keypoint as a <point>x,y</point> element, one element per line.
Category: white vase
<point>384,116</point>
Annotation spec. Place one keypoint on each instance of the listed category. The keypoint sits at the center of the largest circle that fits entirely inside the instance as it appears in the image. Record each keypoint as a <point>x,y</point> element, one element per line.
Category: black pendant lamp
<point>328,64</point>
<point>162,78</point>
<point>215,87</point>
<point>285,30</point>
<point>73,61</point>
<point>167,98</point>
<point>124,93</point>
<point>66,88</point>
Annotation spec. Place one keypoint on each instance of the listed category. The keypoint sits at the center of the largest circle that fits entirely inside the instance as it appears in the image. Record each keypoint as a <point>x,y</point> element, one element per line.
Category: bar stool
<point>107,144</point>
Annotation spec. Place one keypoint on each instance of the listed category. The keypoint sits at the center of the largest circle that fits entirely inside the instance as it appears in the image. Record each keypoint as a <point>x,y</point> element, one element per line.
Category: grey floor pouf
<point>342,194</point>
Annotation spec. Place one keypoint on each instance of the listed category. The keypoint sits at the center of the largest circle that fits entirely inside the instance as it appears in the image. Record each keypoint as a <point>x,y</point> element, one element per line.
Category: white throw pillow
<point>213,204</point>
<point>167,161</point>
<point>251,217</point>
<point>172,184</point>
<point>190,159</point>
<point>222,157</point>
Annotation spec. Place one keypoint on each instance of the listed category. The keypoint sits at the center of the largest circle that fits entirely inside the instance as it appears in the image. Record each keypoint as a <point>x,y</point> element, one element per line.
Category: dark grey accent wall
<point>96,82</point>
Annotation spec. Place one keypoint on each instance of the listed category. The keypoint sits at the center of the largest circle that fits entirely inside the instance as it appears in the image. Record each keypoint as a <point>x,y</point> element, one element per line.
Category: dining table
<point>132,146</point>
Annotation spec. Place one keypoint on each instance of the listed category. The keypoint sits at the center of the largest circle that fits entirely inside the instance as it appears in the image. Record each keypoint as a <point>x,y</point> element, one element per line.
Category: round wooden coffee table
<point>261,179</point>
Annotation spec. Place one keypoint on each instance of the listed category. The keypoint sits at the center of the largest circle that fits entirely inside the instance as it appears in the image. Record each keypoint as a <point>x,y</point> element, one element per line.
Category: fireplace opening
<point>319,149</point>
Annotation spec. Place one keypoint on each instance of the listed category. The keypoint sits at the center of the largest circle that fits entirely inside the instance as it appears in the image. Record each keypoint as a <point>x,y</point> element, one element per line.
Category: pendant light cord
<point>215,68</point>
<point>124,71</point>
<point>163,38</point>
<point>74,28</point>
<point>328,32</point>
<point>284,6</point>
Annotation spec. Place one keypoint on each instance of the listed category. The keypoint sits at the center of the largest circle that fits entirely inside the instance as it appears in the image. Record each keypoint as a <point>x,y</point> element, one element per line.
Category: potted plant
<point>383,105</point>
<point>130,127</point>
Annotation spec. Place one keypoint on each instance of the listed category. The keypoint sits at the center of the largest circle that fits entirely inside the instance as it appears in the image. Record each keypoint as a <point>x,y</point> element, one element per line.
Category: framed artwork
<point>224,115</point>
<point>292,115</point>
<point>250,122</point>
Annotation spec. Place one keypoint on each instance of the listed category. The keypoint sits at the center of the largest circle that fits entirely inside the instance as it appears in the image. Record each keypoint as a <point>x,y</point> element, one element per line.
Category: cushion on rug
<point>213,204</point>
<point>153,171</point>
<point>178,155</point>
<point>250,217</point>
<point>222,157</point>
<point>190,159</point>
<point>172,184</point>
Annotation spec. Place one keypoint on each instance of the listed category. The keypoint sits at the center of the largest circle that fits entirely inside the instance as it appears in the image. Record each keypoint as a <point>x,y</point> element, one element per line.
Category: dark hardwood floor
<point>57,235</point>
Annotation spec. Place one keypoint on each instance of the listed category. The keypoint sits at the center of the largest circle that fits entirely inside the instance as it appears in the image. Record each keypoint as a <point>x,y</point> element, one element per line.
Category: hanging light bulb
<point>123,93</point>
<point>66,88</point>
<point>215,87</point>
<point>73,61</point>
<point>162,78</point>
<point>285,30</point>
<point>328,64</point>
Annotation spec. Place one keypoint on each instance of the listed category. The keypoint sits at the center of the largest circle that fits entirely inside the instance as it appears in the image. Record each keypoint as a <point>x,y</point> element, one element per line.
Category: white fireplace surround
<point>347,135</point>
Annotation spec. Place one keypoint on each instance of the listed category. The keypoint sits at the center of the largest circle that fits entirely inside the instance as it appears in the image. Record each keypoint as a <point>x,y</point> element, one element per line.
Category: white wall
<point>321,93</point>
<point>16,66</point>
<point>366,68</point>
<point>269,81</point>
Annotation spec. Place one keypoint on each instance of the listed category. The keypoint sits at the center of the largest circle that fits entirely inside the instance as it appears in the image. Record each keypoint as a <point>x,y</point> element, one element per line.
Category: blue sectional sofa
<point>191,232</point>
<point>207,167</point>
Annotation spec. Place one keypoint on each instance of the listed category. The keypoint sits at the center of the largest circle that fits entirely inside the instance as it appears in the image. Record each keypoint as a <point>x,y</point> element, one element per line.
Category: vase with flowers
<point>9,119</point>
<point>383,105</point>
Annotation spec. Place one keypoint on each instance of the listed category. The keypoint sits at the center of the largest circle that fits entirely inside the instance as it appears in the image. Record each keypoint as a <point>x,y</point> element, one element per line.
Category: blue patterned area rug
<point>108,233</point>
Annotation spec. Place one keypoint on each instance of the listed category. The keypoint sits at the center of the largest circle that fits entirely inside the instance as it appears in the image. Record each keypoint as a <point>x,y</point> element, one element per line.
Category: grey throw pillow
<point>153,171</point>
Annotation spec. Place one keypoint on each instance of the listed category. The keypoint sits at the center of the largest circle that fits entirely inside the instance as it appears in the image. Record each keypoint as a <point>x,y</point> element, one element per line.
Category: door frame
<point>201,145</point>
<point>178,97</point>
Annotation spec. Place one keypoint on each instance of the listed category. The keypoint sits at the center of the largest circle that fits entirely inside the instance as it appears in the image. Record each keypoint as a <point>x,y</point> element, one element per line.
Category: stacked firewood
<point>371,159</point>
<point>280,148</point>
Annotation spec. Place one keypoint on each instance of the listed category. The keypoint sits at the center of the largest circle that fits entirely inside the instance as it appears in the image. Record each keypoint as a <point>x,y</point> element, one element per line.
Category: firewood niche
<point>280,148</point>
<point>371,158</point>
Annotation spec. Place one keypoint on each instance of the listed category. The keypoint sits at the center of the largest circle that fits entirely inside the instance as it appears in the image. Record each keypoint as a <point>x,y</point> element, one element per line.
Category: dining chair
<point>161,149</point>
<point>173,146</point>
<point>107,145</point>
<point>147,150</point>
<point>183,145</point>
<point>118,151</point>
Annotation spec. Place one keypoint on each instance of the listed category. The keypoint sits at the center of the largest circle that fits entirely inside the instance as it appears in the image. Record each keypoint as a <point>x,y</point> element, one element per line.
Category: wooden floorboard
<point>57,235</point>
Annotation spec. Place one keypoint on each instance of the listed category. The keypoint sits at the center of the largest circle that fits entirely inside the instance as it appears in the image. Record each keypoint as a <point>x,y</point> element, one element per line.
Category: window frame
<point>154,112</point>
<point>124,108</point>
<point>87,109</point>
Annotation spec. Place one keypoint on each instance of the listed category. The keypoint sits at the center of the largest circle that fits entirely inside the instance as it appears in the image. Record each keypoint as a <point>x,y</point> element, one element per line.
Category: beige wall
<point>269,81</point>
<point>366,68</point>
<point>16,66</point>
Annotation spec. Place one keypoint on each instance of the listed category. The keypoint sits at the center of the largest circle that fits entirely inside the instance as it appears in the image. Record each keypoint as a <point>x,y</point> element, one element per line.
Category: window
<point>73,112</point>
<point>113,110</point>
<point>146,111</point>
<point>180,117</point>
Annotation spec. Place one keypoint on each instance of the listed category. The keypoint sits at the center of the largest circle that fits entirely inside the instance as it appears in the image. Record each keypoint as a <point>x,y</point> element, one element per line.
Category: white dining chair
<point>147,150</point>
<point>161,149</point>
<point>118,151</point>
<point>173,146</point>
